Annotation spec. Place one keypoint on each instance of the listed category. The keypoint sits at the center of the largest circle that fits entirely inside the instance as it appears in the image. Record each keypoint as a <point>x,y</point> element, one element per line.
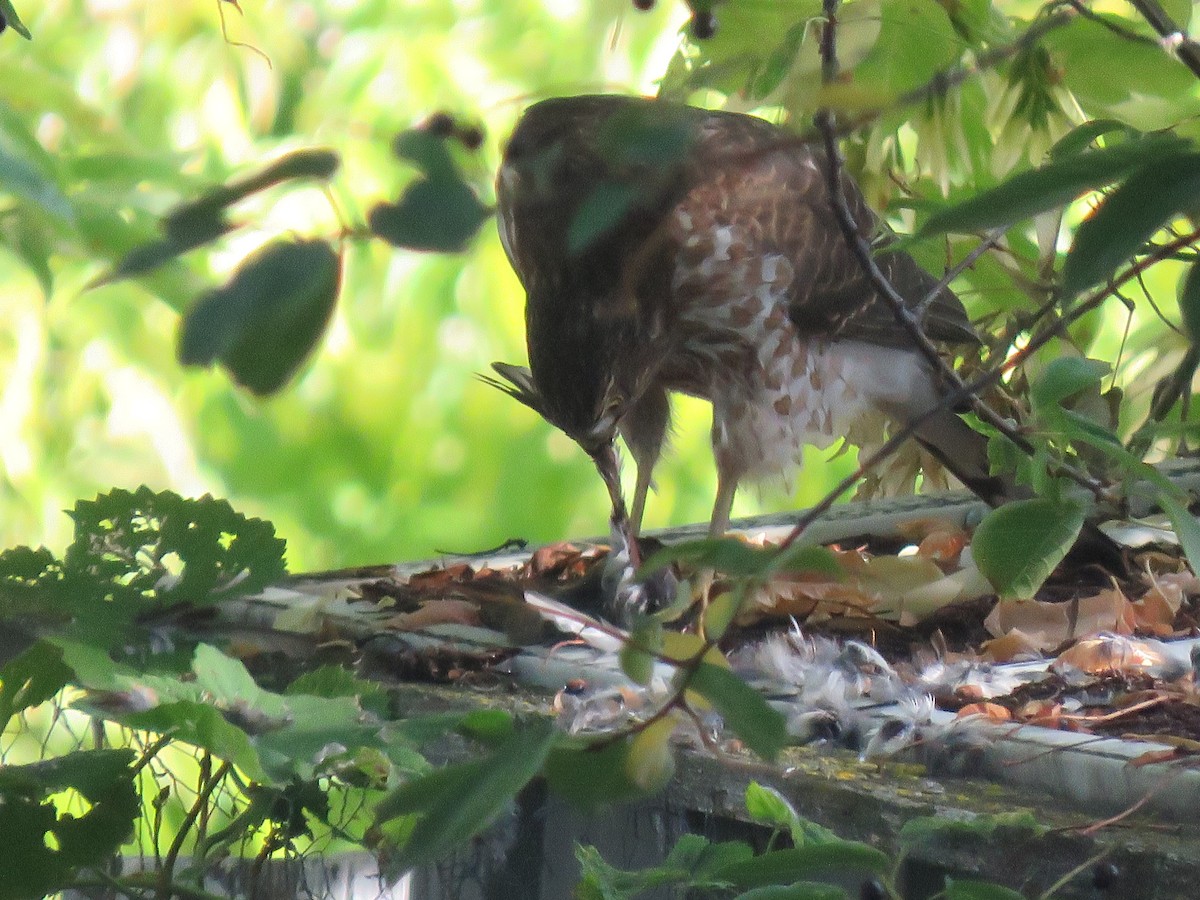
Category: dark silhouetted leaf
<point>1053,185</point>
<point>41,848</point>
<point>744,710</point>
<point>600,213</point>
<point>978,890</point>
<point>1018,545</point>
<point>31,678</point>
<point>201,221</point>
<point>1080,138</point>
<point>440,215</point>
<point>427,150</point>
<point>158,545</point>
<point>1189,302</point>
<point>733,557</point>
<point>195,232</point>
<point>788,866</point>
<point>9,18</point>
<point>801,890</point>
<point>265,322</point>
<point>457,802</point>
<point>1149,199</point>
<point>195,217</point>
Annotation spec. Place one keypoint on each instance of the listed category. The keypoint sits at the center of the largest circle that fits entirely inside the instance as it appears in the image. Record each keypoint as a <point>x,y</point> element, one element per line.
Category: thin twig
<point>1173,38</point>
<point>859,246</point>
<point>987,379</point>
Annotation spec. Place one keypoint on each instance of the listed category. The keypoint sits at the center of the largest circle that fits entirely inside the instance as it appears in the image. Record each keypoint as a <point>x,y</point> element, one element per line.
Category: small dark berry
<point>704,25</point>
<point>872,890</point>
<point>643,5</point>
<point>1104,875</point>
<point>440,124</point>
<point>471,136</point>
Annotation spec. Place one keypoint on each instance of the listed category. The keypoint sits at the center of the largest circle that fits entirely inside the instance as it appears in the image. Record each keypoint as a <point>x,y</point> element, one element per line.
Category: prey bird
<point>665,248</point>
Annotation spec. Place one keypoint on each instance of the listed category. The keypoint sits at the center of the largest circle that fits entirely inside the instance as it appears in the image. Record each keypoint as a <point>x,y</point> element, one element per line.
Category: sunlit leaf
<point>744,710</point>
<point>268,318</point>
<point>1148,200</point>
<point>636,656</point>
<point>1018,545</point>
<point>1112,76</point>
<point>651,761</point>
<point>766,806</point>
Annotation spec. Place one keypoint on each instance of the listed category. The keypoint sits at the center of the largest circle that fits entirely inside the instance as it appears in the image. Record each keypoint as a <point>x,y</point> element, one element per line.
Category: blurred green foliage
<point>385,447</point>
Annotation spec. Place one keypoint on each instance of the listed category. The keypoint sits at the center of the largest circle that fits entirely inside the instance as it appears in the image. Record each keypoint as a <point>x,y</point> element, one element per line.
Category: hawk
<point>666,248</point>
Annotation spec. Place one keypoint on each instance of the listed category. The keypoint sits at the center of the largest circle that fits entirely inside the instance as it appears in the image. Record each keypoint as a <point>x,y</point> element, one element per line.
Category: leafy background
<point>386,447</point>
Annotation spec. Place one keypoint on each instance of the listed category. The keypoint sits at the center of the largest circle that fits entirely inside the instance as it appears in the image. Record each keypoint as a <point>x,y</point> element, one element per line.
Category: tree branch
<point>988,378</point>
<point>1172,35</point>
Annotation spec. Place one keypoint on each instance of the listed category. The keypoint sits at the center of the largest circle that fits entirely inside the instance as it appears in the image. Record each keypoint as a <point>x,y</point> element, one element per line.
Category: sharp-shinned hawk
<point>667,248</point>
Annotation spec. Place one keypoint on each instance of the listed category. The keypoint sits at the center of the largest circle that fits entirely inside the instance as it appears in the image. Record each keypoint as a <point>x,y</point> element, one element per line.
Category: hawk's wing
<point>752,181</point>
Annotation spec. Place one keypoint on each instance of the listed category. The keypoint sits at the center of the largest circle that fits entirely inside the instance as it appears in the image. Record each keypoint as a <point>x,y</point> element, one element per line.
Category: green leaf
<point>591,778</point>
<point>737,558</point>
<point>196,217</point>
<point>1056,184</point>
<point>31,678</point>
<point>201,725</point>
<point>442,216</point>
<point>744,710</point>
<point>801,890</point>
<point>788,866</point>
<point>1113,76</point>
<point>1080,138</point>
<point>9,17</point>
<point>43,849</point>
<point>1189,302</point>
<point>459,801</point>
<point>1062,379</point>
<point>428,152</point>
<point>1148,200</point>
<point>767,806</point>
<point>978,890</point>
<point>1187,528</point>
<point>266,321</point>
<point>158,545</point>
<point>25,173</point>
<point>1018,545</point>
<point>637,660</point>
<point>600,213</point>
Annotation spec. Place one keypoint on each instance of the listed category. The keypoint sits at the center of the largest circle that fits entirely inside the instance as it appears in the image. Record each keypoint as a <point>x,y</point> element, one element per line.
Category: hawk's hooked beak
<point>605,458</point>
